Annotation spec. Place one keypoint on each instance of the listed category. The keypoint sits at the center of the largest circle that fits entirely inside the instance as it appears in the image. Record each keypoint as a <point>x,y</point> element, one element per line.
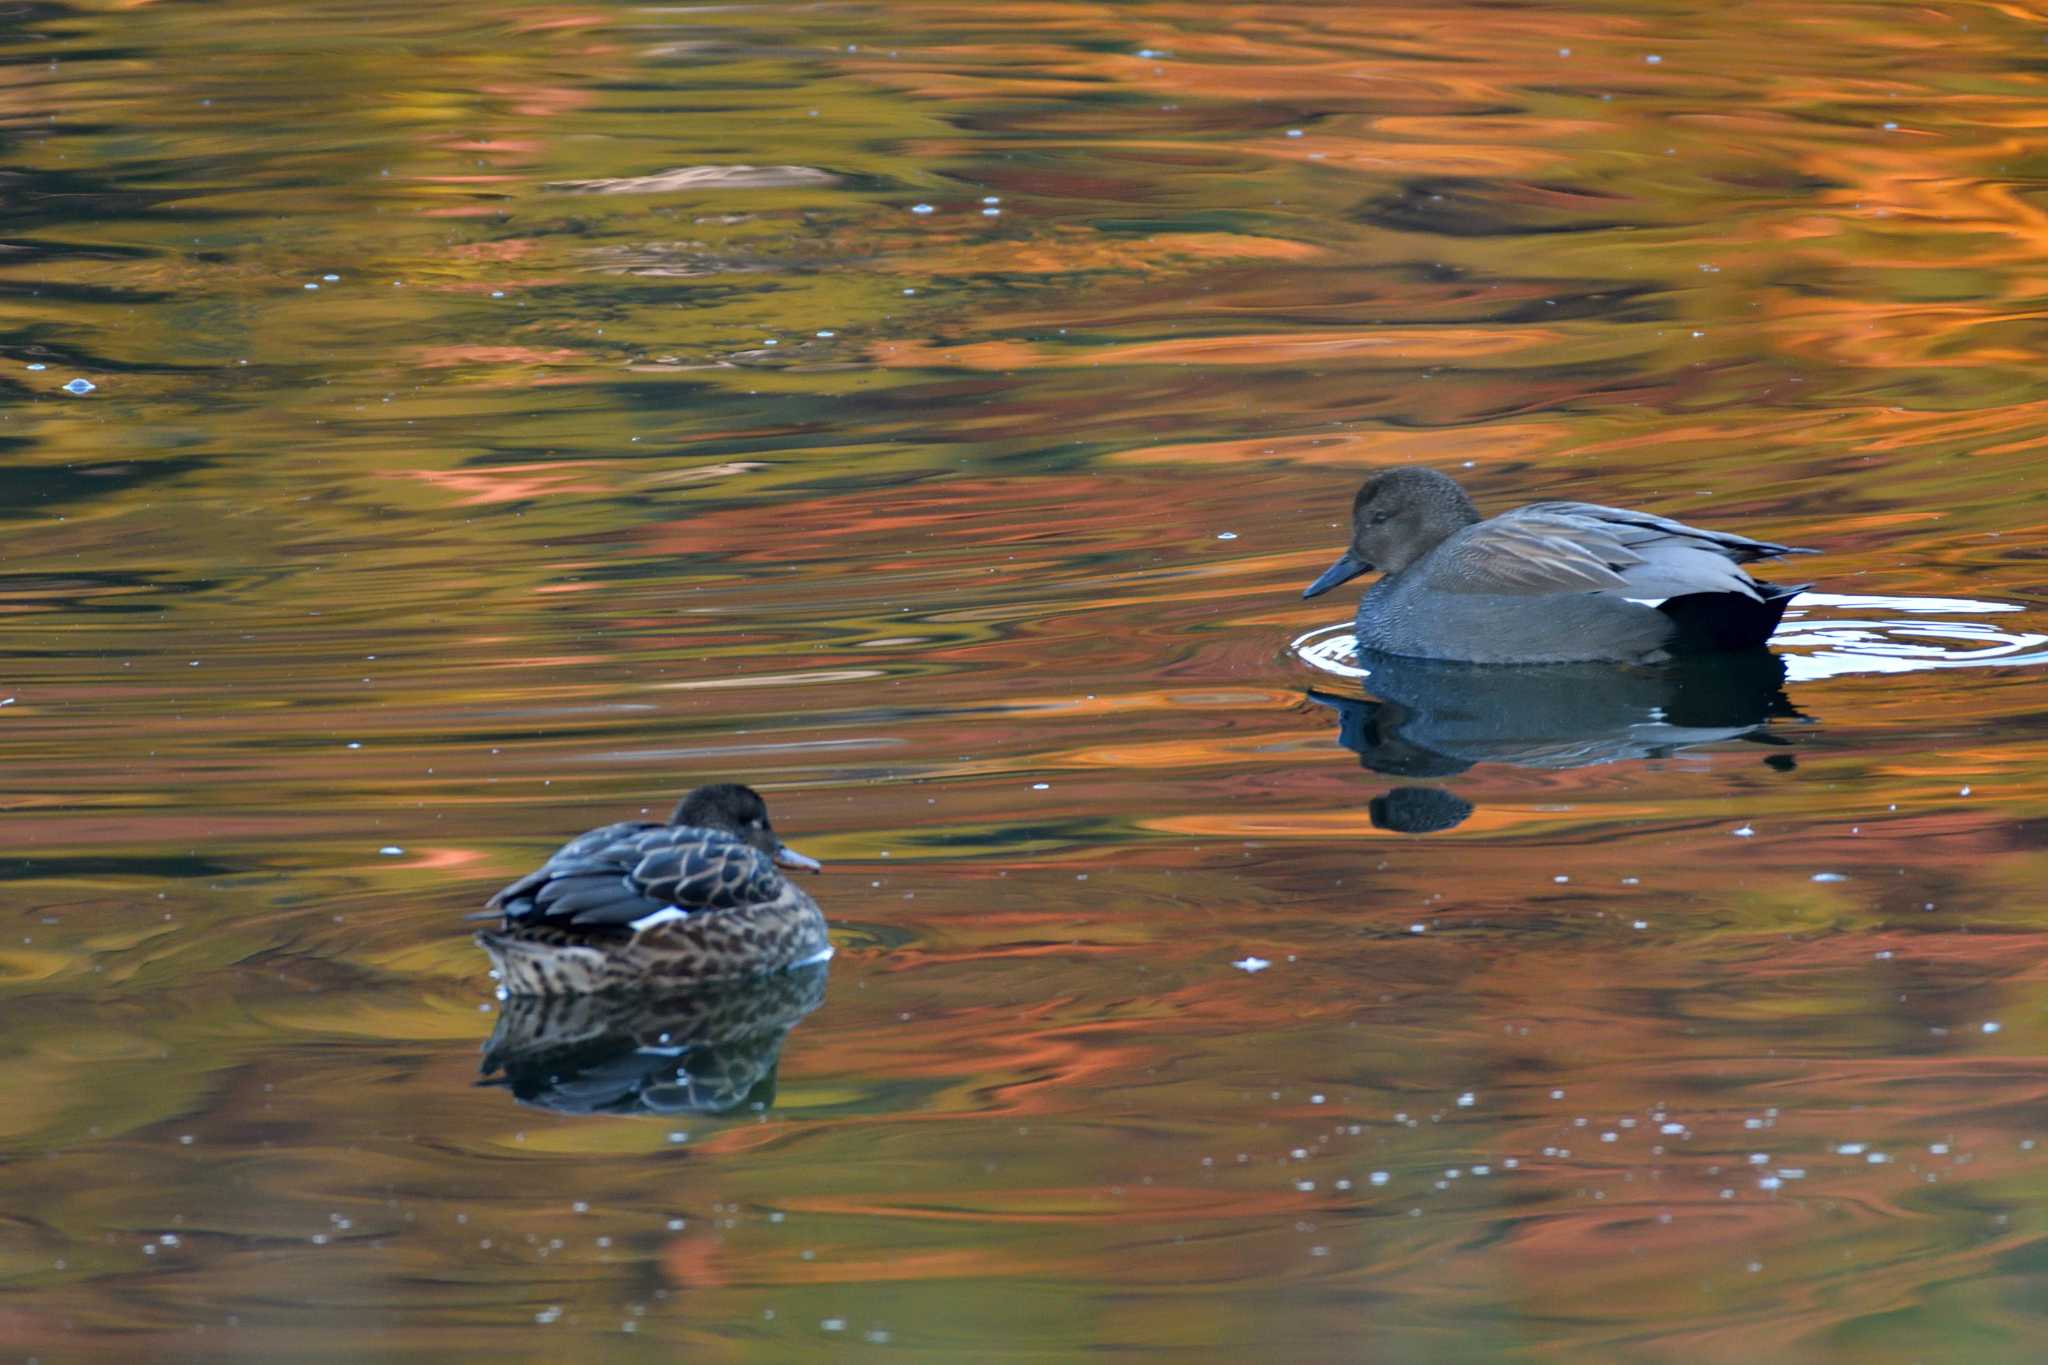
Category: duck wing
<point>589,851</point>
<point>621,873</point>
<point>1550,547</point>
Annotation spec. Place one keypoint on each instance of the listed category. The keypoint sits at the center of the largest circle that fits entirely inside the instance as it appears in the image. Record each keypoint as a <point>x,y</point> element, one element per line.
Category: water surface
<point>504,417</point>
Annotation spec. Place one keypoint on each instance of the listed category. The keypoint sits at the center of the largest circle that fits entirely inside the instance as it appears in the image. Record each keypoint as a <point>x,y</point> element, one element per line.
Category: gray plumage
<point>1551,582</point>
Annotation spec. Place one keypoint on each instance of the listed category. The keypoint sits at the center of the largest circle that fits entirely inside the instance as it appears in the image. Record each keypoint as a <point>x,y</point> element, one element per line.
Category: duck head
<point>739,811</point>
<point>1396,519</point>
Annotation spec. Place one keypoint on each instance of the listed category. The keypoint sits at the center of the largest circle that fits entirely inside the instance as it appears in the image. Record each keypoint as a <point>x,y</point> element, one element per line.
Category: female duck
<point>649,906</point>
<point>1553,582</point>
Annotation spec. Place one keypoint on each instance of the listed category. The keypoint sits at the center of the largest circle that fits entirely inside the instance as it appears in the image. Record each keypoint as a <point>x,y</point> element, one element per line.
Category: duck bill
<point>785,856</point>
<point>1343,571</point>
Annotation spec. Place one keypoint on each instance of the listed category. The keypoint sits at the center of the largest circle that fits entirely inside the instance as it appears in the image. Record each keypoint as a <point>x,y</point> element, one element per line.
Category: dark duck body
<point>1553,582</point>
<point>639,905</point>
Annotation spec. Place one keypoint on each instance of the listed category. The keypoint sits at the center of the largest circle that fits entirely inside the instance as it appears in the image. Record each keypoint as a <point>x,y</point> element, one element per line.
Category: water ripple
<point>1816,647</point>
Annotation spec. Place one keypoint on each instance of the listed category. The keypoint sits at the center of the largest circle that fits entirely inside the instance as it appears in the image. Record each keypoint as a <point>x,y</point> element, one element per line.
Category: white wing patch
<point>665,915</point>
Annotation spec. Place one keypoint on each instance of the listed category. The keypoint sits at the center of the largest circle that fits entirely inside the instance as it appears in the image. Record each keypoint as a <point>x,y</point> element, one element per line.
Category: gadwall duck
<point>1553,582</point>
<point>639,905</point>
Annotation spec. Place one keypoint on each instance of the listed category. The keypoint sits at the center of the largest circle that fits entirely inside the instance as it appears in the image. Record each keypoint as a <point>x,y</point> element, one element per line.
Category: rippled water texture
<point>432,430</point>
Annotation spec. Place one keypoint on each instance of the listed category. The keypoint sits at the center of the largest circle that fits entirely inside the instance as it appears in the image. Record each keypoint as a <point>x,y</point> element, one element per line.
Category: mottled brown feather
<point>711,906</point>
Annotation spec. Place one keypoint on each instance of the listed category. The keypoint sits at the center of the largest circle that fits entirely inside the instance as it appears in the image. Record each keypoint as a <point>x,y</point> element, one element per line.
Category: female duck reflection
<point>656,966</point>
<point>712,1051</point>
<point>1574,587</point>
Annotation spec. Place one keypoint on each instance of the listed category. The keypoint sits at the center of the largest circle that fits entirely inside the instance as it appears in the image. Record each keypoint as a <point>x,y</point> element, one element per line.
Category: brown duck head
<point>738,810</point>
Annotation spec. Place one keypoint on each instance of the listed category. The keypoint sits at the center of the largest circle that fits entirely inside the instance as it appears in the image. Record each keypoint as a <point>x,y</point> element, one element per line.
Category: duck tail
<point>1713,621</point>
<point>528,968</point>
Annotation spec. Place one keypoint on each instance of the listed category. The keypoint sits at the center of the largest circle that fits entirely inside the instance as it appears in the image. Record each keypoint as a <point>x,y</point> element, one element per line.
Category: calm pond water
<point>503,417</point>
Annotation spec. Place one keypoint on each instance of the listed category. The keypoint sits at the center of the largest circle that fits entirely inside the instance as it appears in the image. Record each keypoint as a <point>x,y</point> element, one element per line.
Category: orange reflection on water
<point>1141,1036</point>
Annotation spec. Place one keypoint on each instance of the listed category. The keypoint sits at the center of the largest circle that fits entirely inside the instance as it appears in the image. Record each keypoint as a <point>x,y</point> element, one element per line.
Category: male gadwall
<point>640,905</point>
<point>1553,582</point>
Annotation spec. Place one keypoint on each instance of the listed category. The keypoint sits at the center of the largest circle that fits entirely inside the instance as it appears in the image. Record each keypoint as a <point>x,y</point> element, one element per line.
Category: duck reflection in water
<point>1423,718</point>
<point>712,1051</point>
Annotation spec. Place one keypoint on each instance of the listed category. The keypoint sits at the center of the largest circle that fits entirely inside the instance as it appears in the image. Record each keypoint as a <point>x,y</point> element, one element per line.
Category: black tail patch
<point>1711,621</point>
